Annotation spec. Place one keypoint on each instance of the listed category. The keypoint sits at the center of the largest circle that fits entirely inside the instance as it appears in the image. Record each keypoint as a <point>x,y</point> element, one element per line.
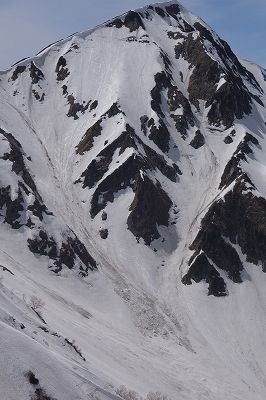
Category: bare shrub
<point>94,396</point>
<point>156,396</point>
<point>36,303</point>
<point>126,394</point>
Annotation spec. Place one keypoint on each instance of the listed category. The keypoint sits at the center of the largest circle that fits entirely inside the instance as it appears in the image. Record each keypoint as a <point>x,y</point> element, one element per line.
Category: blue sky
<point>26,26</point>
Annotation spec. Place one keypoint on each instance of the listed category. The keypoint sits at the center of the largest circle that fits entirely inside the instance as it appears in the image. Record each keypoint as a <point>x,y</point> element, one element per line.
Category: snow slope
<point>124,151</point>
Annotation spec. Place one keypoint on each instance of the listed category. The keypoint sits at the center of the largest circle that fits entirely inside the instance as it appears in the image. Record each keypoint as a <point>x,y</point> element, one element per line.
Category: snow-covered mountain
<point>133,215</point>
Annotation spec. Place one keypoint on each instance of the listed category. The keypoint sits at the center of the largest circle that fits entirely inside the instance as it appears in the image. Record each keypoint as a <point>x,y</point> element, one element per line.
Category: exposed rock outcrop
<point>149,209</point>
<point>201,269</point>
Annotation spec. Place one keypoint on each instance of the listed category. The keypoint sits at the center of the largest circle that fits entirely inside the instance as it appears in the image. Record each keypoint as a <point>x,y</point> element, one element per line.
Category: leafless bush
<point>94,396</point>
<point>126,394</point>
<point>36,303</point>
<point>156,396</point>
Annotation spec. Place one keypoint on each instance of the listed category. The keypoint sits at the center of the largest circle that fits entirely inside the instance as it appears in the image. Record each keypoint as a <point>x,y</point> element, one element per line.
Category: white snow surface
<point>134,321</point>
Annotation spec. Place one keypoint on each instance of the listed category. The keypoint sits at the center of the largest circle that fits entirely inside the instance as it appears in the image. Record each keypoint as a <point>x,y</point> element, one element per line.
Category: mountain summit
<point>133,215</point>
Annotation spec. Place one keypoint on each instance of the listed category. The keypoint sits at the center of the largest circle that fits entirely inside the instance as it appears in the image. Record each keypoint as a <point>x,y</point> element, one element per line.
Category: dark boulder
<point>228,139</point>
<point>104,233</point>
<point>198,141</point>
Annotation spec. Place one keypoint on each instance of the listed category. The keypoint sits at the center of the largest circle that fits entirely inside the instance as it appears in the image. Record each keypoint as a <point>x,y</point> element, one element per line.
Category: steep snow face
<point>133,203</point>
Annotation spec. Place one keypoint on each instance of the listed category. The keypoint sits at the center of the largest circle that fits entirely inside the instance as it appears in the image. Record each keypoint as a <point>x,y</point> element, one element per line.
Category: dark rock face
<point>229,102</point>
<point>88,139</point>
<point>257,99</point>
<point>160,11</point>
<point>232,169</point>
<point>35,73</point>
<point>166,60</point>
<point>173,10</point>
<point>95,130</point>
<point>144,119</point>
<point>232,99</point>
<point>198,141</point>
<point>159,134</point>
<point>99,166</point>
<point>210,240</point>
<point>177,100</point>
<point>117,22</point>
<point>238,219</point>
<point>113,111</point>
<point>61,69</point>
<point>19,70</point>
<point>16,156</point>
<point>74,247</point>
<point>75,107</point>
<point>153,161</point>
<point>43,245</point>
<point>132,21</point>
<point>94,105</point>
<point>242,219</point>
<point>17,212</point>
<point>39,209</point>
<point>206,73</point>
<point>121,178</point>
<point>162,81</point>
<point>185,27</point>
<point>37,96</point>
<point>200,270</point>
<point>15,208</point>
<point>66,254</point>
<point>11,209</point>
<point>175,35</point>
<point>181,124</point>
<point>149,209</point>
<point>226,55</point>
<point>125,174</point>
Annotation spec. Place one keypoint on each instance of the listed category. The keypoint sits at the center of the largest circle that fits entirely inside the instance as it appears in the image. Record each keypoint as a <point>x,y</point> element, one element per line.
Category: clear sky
<point>26,26</point>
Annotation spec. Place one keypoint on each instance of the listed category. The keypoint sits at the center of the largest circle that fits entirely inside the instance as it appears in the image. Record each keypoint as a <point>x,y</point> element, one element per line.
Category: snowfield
<point>130,321</point>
